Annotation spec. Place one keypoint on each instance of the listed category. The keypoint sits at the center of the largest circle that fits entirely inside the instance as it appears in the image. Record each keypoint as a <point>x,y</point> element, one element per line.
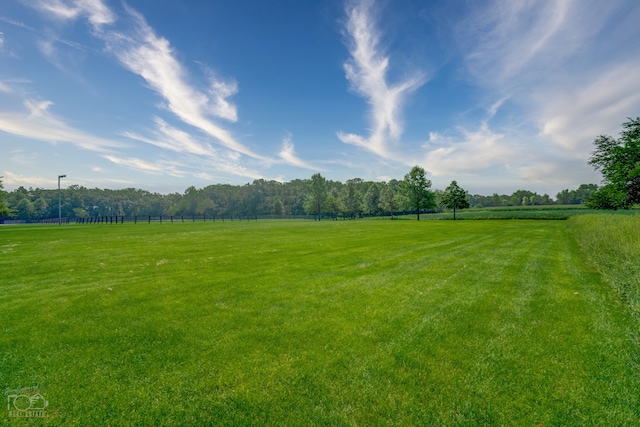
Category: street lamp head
<point>62,176</point>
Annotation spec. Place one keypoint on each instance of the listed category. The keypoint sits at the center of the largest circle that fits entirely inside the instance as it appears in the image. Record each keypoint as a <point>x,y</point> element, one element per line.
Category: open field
<point>317,323</point>
<point>525,212</point>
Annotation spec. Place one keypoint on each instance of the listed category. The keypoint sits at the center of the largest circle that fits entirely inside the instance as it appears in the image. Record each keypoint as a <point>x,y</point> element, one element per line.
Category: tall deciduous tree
<point>349,197</point>
<point>619,162</point>
<point>316,198</point>
<point>455,198</point>
<point>415,187</point>
<point>371,199</point>
<point>389,197</point>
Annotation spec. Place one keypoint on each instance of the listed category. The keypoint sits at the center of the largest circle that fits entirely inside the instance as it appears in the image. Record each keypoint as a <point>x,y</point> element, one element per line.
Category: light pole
<point>60,200</point>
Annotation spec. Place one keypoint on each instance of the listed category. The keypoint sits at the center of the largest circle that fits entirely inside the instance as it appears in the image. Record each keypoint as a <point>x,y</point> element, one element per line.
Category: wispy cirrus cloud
<point>140,50</point>
<point>553,61</point>
<point>160,167</point>
<point>170,138</point>
<point>289,156</point>
<point>502,39</point>
<point>129,39</point>
<point>94,10</point>
<point>572,116</point>
<point>534,48</point>
<point>12,180</point>
<point>193,151</point>
<point>367,73</point>
<point>144,53</point>
<point>37,122</point>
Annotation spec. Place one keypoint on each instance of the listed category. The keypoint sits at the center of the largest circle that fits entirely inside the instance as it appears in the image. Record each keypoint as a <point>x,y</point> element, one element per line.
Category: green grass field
<point>297,323</point>
<point>524,212</point>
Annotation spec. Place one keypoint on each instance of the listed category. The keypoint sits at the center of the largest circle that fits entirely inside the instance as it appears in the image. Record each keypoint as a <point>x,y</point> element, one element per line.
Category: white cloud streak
<point>554,61</point>
<point>194,152</point>
<point>171,138</point>
<point>506,37</point>
<point>366,72</point>
<point>14,180</point>
<point>289,156</point>
<point>574,116</point>
<point>151,57</point>
<point>94,10</point>
<point>140,50</point>
<point>161,167</point>
<point>38,123</point>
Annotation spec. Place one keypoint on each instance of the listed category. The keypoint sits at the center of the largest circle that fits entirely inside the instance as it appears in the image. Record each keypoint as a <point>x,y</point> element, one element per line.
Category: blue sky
<point>166,94</point>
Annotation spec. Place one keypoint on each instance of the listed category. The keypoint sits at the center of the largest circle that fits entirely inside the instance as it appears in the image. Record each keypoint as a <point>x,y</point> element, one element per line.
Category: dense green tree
<point>608,197</point>
<point>619,162</point>
<point>415,188</point>
<point>577,196</point>
<point>206,206</point>
<point>371,199</point>
<point>4,209</point>
<point>333,206</point>
<point>350,197</point>
<point>455,198</point>
<point>521,198</point>
<point>24,209</point>
<point>41,207</point>
<point>389,197</point>
<point>80,213</point>
<point>316,199</point>
<point>277,208</point>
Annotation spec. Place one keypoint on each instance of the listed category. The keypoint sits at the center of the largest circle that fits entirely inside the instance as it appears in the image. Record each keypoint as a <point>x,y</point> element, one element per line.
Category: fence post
<point>135,219</point>
<point>149,219</point>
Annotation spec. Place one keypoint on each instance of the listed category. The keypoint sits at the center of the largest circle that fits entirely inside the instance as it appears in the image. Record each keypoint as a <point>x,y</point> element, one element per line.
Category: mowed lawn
<point>314,323</point>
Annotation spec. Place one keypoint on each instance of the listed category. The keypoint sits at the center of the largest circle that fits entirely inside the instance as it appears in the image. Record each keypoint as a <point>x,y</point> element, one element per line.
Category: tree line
<point>315,196</point>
